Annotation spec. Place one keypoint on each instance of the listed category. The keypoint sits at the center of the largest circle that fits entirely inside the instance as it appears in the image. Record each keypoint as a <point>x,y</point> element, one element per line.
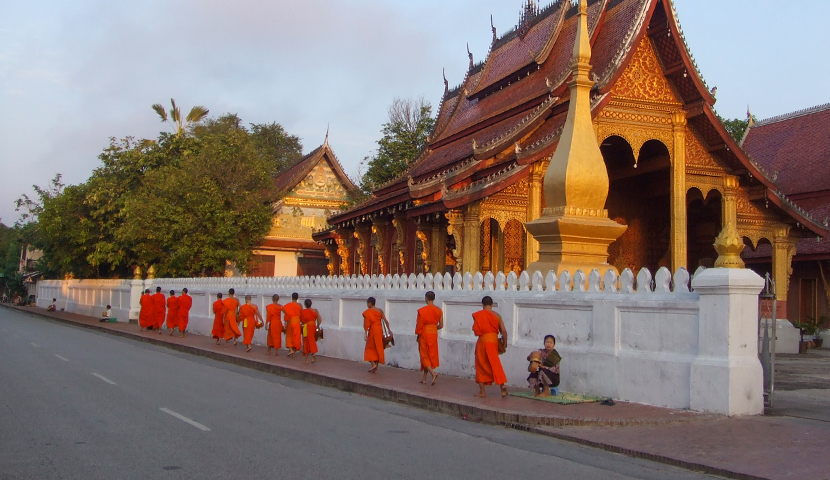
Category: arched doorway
<point>704,224</point>
<point>639,197</point>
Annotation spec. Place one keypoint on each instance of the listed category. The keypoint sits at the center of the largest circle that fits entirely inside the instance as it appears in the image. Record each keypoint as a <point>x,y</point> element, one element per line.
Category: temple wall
<point>641,340</point>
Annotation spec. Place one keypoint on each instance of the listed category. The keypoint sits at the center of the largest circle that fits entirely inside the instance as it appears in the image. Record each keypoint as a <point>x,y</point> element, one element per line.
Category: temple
<point>676,180</point>
<point>310,190</point>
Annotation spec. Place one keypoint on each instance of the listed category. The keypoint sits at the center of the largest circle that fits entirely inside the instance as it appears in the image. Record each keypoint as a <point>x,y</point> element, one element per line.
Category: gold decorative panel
<point>643,79</point>
<point>320,183</point>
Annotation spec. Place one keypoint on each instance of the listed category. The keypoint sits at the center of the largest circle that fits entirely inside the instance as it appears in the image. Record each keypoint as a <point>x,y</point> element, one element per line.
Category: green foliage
<point>275,145</point>
<point>405,135</point>
<point>736,127</point>
<point>179,123</point>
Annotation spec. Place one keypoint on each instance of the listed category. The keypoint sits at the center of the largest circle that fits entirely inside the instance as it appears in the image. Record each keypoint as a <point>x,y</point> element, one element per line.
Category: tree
<point>175,119</point>
<point>276,145</point>
<point>736,127</point>
<point>404,137</point>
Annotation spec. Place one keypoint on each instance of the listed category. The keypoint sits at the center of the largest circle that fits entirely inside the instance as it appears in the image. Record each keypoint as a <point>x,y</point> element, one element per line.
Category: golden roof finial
<point>582,46</point>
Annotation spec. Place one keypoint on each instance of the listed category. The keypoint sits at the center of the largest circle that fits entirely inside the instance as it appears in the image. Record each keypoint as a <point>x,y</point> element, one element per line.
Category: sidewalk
<point>752,447</point>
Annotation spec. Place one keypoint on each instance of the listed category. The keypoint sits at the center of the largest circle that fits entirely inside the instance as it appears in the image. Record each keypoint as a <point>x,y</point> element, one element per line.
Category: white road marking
<point>104,379</point>
<point>35,345</point>
<point>64,359</point>
<point>185,419</point>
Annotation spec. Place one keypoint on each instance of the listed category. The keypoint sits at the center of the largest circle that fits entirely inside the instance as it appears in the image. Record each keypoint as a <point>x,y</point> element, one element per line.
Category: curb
<point>525,423</point>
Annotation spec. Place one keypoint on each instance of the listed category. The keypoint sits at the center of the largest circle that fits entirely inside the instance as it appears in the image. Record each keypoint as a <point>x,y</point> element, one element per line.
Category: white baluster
<point>500,281</point>
<point>438,282</point>
<point>524,282</point>
<point>429,281</point>
<point>512,279</point>
<point>538,281</point>
<point>478,280</point>
<point>489,280</point>
<point>681,281</point>
<point>457,281</point>
<point>565,281</point>
<point>550,281</point>
<point>662,280</point>
<point>609,281</point>
<point>580,281</point>
<point>468,281</point>
<point>594,280</point>
<point>627,281</point>
<point>644,281</point>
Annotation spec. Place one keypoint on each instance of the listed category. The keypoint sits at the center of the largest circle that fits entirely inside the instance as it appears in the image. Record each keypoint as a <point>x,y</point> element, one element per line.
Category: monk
<point>146,314</point>
<point>373,321</point>
<point>231,324</point>
<point>311,320</point>
<point>487,325</point>
<point>274,325</point>
<point>250,317</point>
<point>430,320</point>
<point>159,309</point>
<point>172,312</point>
<point>218,331</point>
<point>293,328</point>
<point>185,304</point>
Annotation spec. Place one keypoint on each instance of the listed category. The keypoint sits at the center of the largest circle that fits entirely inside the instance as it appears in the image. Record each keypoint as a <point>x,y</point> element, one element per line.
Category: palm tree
<point>196,115</point>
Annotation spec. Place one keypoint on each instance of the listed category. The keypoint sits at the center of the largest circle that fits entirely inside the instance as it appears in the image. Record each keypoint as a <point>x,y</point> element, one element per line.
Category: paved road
<point>81,404</point>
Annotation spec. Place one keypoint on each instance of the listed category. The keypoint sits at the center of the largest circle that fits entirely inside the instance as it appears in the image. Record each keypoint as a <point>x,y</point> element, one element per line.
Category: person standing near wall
<point>373,321</point>
<point>293,333</point>
<point>250,317</point>
<point>311,320</point>
<point>159,309</point>
<point>273,324</point>
<point>218,331</point>
<point>185,304</point>
<point>172,312</point>
<point>145,315</point>
<point>430,320</point>
<point>487,325</point>
<point>231,324</point>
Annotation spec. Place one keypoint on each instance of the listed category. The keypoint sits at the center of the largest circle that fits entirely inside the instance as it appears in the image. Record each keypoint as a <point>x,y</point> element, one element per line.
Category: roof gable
<point>301,172</point>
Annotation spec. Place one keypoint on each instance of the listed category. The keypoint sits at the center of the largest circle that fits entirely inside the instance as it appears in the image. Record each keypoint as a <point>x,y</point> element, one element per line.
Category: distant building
<point>313,188</point>
<point>795,150</point>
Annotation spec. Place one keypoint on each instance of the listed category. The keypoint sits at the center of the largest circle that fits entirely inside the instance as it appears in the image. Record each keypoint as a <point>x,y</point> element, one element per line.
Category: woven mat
<point>564,398</point>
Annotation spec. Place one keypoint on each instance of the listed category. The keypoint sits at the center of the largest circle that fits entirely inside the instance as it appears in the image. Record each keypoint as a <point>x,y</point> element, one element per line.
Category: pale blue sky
<point>73,74</point>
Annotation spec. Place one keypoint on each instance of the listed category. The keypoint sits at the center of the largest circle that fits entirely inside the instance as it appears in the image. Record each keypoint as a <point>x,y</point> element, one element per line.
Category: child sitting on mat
<point>544,369</point>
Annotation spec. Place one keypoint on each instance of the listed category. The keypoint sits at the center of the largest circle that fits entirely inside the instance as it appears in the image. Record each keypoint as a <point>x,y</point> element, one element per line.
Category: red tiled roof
<point>796,146</point>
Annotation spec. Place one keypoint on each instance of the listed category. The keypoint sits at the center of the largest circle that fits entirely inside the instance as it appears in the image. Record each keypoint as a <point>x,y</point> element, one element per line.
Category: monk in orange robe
<point>159,307</point>
<point>373,321</point>
<point>185,304</point>
<point>487,325</point>
<point>430,320</point>
<point>230,323</point>
<point>146,314</point>
<point>274,325</point>
<point>218,331</point>
<point>311,320</point>
<point>293,325</point>
<point>251,320</point>
<point>172,311</point>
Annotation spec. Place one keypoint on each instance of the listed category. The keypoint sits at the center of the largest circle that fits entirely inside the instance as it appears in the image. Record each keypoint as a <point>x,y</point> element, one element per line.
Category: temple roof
<point>516,100</point>
<point>297,171</point>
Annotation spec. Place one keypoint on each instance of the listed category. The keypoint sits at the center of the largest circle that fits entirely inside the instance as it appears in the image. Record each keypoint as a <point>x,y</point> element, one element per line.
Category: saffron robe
<point>488,364</point>
<point>308,317</point>
<point>159,309</point>
<point>293,332</point>
<point>247,315</point>
<point>272,319</point>
<point>185,303</point>
<point>374,342</point>
<point>230,323</point>
<point>218,320</point>
<point>172,312</point>
<point>146,314</point>
<point>426,328</point>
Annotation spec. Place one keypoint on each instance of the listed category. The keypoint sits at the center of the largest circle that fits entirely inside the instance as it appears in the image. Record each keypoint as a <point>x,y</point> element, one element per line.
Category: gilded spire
<point>582,46</point>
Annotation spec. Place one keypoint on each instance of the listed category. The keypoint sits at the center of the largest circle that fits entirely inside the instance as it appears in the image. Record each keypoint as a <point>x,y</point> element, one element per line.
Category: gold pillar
<point>783,249</point>
<point>379,228</point>
<point>344,249</point>
<point>729,244</point>
<point>439,248</point>
<point>470,254</point>
<point>455,228</point>
<point>424,234</point>
<point>679,255</point>
<point>331,255</point>
<point>363,234</point>
<point>400,225</point>
<point>534,207</point>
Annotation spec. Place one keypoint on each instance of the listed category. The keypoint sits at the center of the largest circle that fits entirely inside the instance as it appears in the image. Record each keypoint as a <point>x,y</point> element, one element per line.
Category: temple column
<point>455,228</point>
<point>379,228</point>
<point>471,256</point>
<point>439,248</point>
<point>363,234</point>
<point>424,234</point>
<point>679,255</point>
<point>399,221</point>
<point>729,244</point>
<point>344,249</point>
<point>534,208</point>
<point>783,250</point>
<point>331,255</point>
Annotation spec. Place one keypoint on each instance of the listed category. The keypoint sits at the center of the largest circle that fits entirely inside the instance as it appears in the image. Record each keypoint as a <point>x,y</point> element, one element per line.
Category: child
<point>105,317</point>
<point>54,306</point>
<point>544,369</point>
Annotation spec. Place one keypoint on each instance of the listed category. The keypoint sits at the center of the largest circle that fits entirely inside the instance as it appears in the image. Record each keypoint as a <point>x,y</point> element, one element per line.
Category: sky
<point>73,74</point>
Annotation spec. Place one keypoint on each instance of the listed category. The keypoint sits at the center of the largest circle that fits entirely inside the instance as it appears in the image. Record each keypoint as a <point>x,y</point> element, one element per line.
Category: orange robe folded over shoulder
<point>374,342</point>
<point>272,319</point>
<point>247,315</point>
<point>146,314</point>
<point>293,332</point>
<point>230,324</point>
<point>172,312</point>
<point>308,317</point>
<point>159,309</point>
<point>488,364</point>
<point>185,304</point>
<point>427,330</point>
<point>218,320</point>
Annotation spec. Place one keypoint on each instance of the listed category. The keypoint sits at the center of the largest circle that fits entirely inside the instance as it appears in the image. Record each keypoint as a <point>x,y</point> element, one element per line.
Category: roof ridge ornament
<point>446,83</point>
<point>493,28</point>
<point>470,54</point>
<point>529,12</point>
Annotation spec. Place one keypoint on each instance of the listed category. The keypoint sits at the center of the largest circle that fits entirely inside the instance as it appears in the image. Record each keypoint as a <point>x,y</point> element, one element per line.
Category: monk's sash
<point>431,329</point>
<point>294,320</point>
<point>489,337</point>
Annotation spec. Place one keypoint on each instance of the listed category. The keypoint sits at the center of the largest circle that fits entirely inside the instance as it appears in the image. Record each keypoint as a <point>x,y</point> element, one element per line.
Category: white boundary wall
<point>642,340</point>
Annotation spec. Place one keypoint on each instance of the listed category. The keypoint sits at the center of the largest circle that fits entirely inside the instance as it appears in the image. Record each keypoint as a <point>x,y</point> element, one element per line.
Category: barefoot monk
<point>430,320</point>
<point>487,325</point>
